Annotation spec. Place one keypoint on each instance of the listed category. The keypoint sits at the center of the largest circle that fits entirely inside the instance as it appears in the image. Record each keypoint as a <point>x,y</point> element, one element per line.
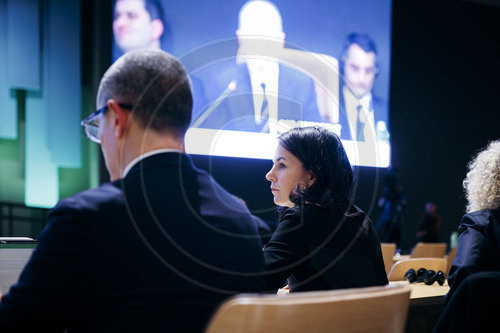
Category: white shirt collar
<point>143,156</point>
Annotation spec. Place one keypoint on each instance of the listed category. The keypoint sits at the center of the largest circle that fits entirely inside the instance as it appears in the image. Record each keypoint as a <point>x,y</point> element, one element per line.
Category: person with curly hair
<point>478,247</point>
<point>322,240</point>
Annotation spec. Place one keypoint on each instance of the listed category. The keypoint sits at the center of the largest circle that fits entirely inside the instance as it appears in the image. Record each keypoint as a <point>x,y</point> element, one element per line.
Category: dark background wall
<point>444,100</point>
<point>445,79</point>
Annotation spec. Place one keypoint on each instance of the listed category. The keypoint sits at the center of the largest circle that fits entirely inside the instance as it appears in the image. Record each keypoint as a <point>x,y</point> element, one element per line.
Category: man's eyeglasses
<point>91,125</point>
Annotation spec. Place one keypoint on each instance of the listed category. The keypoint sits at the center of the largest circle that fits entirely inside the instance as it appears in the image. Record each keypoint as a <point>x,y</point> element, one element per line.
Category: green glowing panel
<point>8,112</point>
<point>41,175</point>
<point>12,180</point>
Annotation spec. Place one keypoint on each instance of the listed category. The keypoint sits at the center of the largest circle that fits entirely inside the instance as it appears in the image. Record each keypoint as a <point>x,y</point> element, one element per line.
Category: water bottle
<point>453,239</point>
<point>382,133</point>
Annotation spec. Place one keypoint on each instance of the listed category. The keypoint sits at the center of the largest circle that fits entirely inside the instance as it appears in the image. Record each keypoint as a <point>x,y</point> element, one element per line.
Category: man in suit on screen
<point>255,91</point>
<point>157,248</point>
<point>362,114</point>
<point>138,24</point>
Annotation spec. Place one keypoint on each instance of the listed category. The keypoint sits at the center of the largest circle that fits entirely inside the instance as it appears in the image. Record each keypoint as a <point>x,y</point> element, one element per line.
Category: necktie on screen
<point>360,126</point>
<point>264,110</point>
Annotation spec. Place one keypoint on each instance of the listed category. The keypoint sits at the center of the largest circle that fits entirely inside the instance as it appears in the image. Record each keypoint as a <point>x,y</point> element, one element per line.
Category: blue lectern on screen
<point>259,68</point>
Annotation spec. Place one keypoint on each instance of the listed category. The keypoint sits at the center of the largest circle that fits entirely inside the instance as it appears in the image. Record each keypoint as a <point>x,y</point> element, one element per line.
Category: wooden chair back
<point>388,252</point>
<point>372,309</point>
<point>400,267</point>
<point>429,250</point>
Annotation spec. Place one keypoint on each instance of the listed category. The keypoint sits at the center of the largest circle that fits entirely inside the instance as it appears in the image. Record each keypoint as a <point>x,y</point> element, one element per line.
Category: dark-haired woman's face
<point>286,173</point>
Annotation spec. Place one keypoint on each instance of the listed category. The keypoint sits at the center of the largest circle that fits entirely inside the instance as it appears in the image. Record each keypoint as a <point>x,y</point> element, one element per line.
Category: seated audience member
<point>322,240</point>
<point>478,247</point>
<point>157,248</point>
<point>429,226</point>
<point>392,205</point>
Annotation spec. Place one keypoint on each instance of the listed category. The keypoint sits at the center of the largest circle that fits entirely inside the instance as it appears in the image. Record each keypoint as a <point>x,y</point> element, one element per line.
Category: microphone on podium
<point>231,87</point>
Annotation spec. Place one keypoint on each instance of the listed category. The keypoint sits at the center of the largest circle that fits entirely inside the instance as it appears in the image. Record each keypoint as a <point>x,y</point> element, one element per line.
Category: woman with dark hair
<point>322,240</point>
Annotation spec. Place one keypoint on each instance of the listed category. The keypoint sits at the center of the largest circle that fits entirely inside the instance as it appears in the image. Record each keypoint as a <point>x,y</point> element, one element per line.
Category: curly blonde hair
<point>482,183</point>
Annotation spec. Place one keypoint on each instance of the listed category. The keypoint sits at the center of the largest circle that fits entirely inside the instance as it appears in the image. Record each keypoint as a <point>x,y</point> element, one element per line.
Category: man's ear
<point>158,28</point>
<point>119,118</point>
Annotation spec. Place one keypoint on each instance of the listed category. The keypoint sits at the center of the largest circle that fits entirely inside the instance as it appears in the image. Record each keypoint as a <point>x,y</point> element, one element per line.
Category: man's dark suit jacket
<point>380,113</point>
<point>296,100</point>
<point>154,252</point>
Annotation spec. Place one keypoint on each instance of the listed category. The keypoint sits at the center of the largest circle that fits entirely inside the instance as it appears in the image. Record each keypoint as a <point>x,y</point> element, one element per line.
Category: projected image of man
<point>138,24</point>
<point>257,90</point>
<point>364,114</point>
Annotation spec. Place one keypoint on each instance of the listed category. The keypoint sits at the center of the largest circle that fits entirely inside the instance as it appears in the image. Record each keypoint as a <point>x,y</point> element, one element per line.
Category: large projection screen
<point>259,68</point>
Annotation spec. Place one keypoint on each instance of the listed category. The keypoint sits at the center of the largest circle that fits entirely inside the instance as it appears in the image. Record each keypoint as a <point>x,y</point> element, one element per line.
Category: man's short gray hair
<point>157,86</point>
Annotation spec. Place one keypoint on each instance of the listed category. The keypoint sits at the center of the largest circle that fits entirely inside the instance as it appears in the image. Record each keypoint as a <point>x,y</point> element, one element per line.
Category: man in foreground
<point>159,247</point>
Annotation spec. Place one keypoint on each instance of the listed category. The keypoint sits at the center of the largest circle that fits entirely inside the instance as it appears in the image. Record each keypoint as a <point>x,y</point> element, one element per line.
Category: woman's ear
<point>312,179</point>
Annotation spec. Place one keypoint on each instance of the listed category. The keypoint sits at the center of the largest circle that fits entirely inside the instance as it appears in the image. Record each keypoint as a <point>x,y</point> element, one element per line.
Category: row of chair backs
<point>400,267</point>
<point>421,250</point>
<point>388,252</point>
<point>372,309</point>
<point>429,250</point>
